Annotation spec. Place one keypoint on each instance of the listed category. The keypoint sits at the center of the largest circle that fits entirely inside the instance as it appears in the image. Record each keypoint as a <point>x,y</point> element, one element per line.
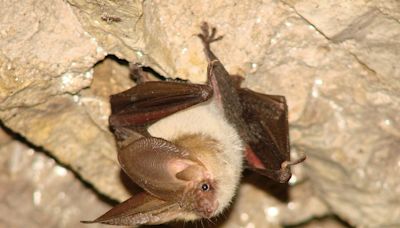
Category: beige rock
<point>44,52</point>
<point>117,26</point>
<point>37,192</point>
<point>335,61</point>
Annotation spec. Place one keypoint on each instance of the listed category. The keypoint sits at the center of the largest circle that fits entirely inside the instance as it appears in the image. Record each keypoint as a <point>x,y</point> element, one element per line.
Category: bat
<point>186,145</point>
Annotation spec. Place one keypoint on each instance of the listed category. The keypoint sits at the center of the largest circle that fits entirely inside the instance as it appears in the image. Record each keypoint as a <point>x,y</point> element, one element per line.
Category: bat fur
<point>206,121</point>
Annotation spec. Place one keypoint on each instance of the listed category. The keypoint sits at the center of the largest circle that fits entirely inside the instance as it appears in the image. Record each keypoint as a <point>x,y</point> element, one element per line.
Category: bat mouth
<point>207,208</point>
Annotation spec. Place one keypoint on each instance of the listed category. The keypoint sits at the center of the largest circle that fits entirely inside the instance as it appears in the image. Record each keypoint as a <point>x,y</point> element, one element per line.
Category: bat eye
<point>205,187</point>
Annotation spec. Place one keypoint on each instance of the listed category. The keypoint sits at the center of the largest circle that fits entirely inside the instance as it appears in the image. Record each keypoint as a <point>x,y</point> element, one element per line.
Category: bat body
<point>189,126</point>
<point>185,144</point>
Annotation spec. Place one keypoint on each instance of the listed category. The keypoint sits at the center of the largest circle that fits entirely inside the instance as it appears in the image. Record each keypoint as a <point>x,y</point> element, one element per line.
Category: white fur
<point>207,119</point>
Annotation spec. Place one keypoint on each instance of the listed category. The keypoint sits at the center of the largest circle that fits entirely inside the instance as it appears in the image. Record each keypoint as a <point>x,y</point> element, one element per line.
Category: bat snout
<point>208,208</point>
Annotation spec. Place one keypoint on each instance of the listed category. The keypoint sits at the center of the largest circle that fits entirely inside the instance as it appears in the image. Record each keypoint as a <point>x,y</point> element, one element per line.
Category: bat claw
<point>206,36</point>
<point>87,222</point>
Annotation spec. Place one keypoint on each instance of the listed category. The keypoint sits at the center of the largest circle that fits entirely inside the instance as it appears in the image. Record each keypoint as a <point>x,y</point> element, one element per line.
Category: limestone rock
<point>37,192</point>
<point>335,61</point>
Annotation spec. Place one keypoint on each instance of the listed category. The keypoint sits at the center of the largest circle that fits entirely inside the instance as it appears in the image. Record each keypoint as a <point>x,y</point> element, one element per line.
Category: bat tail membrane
<point>139,209</point>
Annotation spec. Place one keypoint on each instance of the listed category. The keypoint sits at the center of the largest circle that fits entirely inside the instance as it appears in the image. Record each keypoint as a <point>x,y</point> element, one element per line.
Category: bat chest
<point>204,119</point>
<point>207,119</point>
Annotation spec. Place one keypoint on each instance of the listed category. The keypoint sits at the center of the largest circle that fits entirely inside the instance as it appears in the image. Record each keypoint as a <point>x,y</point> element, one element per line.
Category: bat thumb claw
<point>285,173</point>
<point>87,222</point>
<point>287,164</point>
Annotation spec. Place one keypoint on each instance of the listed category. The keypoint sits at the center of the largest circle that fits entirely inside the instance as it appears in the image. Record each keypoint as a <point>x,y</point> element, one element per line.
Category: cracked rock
<point>335,61</point>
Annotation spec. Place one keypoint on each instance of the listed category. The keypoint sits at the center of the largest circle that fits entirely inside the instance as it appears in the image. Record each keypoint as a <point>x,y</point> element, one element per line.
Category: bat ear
<point>140,209</point>
<point>160,167</point>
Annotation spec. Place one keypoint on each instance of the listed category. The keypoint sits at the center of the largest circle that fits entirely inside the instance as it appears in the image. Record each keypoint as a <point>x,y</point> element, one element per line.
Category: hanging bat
<point>184,144</point>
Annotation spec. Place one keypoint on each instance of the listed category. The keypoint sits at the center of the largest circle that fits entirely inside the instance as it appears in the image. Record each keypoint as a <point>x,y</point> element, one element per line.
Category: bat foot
<point>208,35</point>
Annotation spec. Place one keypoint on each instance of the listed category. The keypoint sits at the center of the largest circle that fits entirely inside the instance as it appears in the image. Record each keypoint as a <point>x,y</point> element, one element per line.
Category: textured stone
<point>353,134</point>
<point>37,192</point>
<point>335,61</point>
<point>45,58</point>
<point>117,26</point>
<point>44,52</point>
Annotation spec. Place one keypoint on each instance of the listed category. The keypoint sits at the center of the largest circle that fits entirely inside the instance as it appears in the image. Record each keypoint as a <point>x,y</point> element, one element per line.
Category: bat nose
<point>215,206</point>
<point>210,209</point>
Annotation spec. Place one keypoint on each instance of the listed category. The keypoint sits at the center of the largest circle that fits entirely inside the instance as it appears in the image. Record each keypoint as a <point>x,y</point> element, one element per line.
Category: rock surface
<point>335,61</point>
<point>37,192</point>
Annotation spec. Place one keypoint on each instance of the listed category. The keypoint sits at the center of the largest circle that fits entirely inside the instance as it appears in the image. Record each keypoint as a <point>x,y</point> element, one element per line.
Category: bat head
<point>199,194</point>
<point>202,199</point>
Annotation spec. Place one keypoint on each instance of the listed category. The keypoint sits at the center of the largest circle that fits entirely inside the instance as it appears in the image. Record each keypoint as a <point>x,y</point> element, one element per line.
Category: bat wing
<point>148,102</point>
<point>133,110</point>
<point>268,146</point>
<point>139,209</point>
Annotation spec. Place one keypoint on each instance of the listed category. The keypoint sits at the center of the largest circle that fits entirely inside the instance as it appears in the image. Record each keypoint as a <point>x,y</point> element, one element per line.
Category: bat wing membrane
<point>268,146</point>
<point>139,209</point>
<point>150,101</point>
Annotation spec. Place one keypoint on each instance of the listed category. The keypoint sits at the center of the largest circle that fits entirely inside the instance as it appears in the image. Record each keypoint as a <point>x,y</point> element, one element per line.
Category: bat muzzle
<point>207,209</point>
